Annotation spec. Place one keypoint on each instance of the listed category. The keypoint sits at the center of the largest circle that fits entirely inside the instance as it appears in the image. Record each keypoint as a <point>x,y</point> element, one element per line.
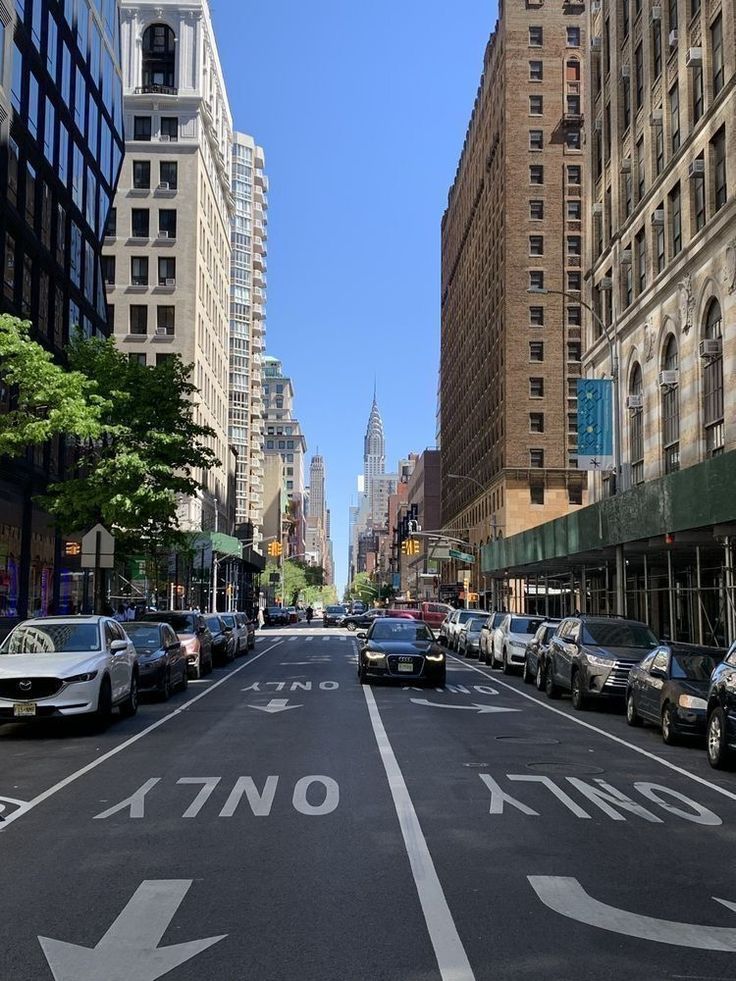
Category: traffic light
<point>275,549</point>
<point>410,547</point>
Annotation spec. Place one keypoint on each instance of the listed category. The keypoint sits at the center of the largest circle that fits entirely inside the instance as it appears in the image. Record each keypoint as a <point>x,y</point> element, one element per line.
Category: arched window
<point>636,426</point>
<point>159,59</point>
<point>671,410</point>
<point>713,381</point>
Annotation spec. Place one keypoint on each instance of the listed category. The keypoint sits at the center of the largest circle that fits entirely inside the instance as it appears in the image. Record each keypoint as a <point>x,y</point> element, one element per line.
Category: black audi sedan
<point>223,640</point>
<point>670,689</point>
<point>362,621</point>
<point>162,659</point>
<point>721,724</point>
<point>400,650</point>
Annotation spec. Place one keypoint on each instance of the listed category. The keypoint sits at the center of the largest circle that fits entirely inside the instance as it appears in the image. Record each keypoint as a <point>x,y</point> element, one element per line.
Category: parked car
<point>249,625</point>
<point>162,661</point>
<point>53,667</point>
<point>454,624</point>
<point>334,616</point>
<point>591,657</point>
<point>486,636</point>
<point>510,639</point>
<point>275,616</point>
<point>223,640</point>
<point>670,689</point>
<point>402,650</point>
<point>192,631</point>
<point>536,652</point>
<point>721,713</point>
<point>358,607</point>
<point>468,643</point>
<point>362,620</point>
<point>239,632</point>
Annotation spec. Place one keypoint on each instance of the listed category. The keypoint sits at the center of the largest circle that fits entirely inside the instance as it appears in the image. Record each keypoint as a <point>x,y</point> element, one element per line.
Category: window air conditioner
<point>634,401</point>
<point>626,257</point>
<point>673,38</point>
<point>656,12</point>
<point>625,71</point>
<point>171,282</point>
<point>162,331</point>
<point>696,168</point>
<point>605,283</point>
<point>694,58</point>
<point>598,125</point>
<point>164,137</point>
<point>597,208</point>
<point>162,233</point>
<point>596,42</point>
<point>656,117</point>
<point>668,378</point>
<point>711,347</point>
<point>163,186</point>
<point>626,165</point>
<point>658,216</point>
<point>595,7</point>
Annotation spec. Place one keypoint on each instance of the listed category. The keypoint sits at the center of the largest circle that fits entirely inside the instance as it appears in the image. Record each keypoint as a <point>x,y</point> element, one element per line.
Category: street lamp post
<point>610,334</point>
<point>472,480</point>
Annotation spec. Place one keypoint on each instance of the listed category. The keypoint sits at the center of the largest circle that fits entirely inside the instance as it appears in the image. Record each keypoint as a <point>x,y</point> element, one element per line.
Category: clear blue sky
<point>361,108</point>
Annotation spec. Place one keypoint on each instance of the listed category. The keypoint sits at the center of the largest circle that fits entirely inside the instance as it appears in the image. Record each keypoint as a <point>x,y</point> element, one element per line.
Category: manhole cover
<point>479,766</point>
<point>529,740</point>
<point>564,768</point>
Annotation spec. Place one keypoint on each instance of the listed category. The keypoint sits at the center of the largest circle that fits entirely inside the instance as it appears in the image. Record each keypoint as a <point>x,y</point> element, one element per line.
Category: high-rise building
<point>374,445</point>
<point>317,488</point>
<point>247,274</point>
<point>513,228</point>
<point>61,146</point>
<point>167,260</point>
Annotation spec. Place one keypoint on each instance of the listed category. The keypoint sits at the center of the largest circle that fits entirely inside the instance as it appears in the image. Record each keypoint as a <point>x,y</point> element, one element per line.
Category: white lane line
<point>128,742</point>
<point>608,735</point>
<point>307,639</point>
<point>448,948</point>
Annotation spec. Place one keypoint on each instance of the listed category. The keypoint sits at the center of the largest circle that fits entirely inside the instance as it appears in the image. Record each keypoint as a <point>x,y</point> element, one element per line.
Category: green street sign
<point>455,553</point>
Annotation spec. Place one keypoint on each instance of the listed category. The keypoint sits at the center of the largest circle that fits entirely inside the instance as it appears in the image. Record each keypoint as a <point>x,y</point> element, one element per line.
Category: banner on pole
<point>595,424</point>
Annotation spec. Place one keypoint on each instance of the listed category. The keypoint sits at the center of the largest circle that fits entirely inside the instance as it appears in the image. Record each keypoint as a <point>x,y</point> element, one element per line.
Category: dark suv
<point>591,657</point>
<point>721,724</point>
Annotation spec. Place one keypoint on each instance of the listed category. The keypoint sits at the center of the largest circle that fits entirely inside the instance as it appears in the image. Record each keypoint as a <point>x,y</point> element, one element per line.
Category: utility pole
<point>214,561</point>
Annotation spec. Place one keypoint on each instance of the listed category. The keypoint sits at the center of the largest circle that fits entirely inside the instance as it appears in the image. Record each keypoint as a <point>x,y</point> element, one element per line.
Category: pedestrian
<point>130,612</point>
<point>120,615</point>
<point>261,618</point>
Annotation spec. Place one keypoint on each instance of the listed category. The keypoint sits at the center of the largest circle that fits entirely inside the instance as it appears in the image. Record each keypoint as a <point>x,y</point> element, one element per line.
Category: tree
<point>363,587</point>
<point>295,581</point>
<point>44,398</point>
<point>146,455</point>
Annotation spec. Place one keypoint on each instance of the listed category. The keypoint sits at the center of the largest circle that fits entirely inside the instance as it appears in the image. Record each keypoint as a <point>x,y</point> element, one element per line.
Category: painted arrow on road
<point>566,896</point>
<point>129,950</point>
<point>275,705</point>
<point>475,707</point>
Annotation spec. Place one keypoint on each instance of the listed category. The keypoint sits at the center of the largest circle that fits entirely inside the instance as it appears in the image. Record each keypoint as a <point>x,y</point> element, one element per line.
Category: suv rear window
<point>523,625</point>
<point>183,623</point>
<point>617,633</point>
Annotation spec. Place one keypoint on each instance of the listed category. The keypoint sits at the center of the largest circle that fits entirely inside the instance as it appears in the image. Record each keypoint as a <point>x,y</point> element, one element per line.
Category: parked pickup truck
<point>430,613</point>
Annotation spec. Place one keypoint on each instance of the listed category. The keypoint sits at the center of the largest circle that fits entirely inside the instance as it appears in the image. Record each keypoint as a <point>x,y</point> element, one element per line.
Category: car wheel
<point>505,666</point>
<point>350,625</point>
<point>165,692</point>
<point>632,716</point>
<point>539,678</point>
<point>719,755</point>
<point>103,714</point>
<point>129,706</point>
<point>441,680</point>
<point>551,688</point>
<point>579,701</point>
<point>669,726</point>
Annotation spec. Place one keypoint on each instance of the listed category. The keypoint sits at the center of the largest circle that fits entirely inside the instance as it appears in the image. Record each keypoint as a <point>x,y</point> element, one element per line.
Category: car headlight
<point>601,662</point>
<point>692,702</point>
<point>439,656</point>
<point>375,655</point>
<point>78,679</point>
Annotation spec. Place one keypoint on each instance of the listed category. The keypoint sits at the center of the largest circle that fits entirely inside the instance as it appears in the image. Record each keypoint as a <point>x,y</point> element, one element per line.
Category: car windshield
<point>496,620</point>
<point>475,626</point>
<point>214,624</point>
<point>183,623</point>
<point>400,630</point>
<point>274,610</point>
<point>466,615</point>
<point>52,638</point>
<point>524,625</point>
<point>695,667</point>
<point>143,634</point>
<point>228,619</point>
<point>618,634</point>
<point>336,609</point>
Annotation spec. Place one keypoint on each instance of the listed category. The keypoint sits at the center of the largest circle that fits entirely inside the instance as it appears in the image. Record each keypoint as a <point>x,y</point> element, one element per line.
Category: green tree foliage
<point>147,453</point>
<point>363,588</point>
<point>44,399</point>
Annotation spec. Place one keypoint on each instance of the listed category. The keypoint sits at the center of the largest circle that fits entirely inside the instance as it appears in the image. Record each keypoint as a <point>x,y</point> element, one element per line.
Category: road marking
<point>276,705</point>
<point>448,948</point>
<point>566,896</point>
<point>201,681</point>
<point>474,707</point>
<point>40,798</point>
<point>129,950</point>
<point>608,735</point>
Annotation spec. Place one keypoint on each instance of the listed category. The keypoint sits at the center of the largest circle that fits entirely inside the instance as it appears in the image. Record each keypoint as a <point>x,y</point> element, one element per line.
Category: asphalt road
<point>280,822</point>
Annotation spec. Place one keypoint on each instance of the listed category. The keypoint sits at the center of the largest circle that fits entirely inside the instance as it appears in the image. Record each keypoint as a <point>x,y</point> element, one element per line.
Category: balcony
<point>154,89</point>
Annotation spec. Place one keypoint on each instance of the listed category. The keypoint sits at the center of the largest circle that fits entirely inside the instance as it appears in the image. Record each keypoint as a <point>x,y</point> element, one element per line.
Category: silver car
<point>511,638</point>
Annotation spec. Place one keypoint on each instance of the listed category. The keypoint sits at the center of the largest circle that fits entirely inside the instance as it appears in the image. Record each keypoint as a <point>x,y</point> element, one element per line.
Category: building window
<point>111,225</point>
<point>142,174</point>
<point>536,388</point>
<point>536,210</point>
<point>536,139</point>
<point>167,223</point>
<point>170,128</point>
<point>536,422</point>
<point>108,269</point>
<point>641,173</point>
<point>536,37</point>
<point>659,149</point>
<point>574,351</point>
<point>639,75</point>
<point>574,174</point>
<point>574,210</point>
<point>641,260</point>
<point>165,320</point>
<point>536,279</point>
<point>140,222</point>
<point>9,268</point>
<point>536,71</point>
<point>572,138</point>
<point>138,319</point>
<point>142,128</point>
<point>676,219</point>
<point>716,42</point>
<point>627,284</point>
<point>166,271</point>
<point>636,426</point>
<point>139,270</point>
<point>573,37</point>
<point>675,117</point>
<point>169,173</point>
<point>574,246</point>
<point>536,458</point>
<point>536,105</point>
<point>574,316</point>
<point>625,17</point>
<point>698,186</point>
<point>574,282</point>
<point>626,92</point>
<point>697,93</point>
<point>159,59</point>
<point>656,48</point>
<point>536,493</point>
<point>660,241</point>
<point>673,15</point>
<point>536,245</point>
<point>137,359</point>
<point>718,156</point>
<point>671,410</point>
<point>536,316</point>
<point>713,383</point>
<point>536,174</point>
<point>536,350</point>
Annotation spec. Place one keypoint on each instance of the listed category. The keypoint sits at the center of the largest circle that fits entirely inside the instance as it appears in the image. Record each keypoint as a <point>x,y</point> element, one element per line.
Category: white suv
<point>510,640</point>
<point>64,666</point>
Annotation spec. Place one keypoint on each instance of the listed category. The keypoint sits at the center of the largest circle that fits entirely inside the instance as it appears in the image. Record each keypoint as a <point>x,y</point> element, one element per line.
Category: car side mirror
<point>361,635</point>
<point>118,646</point>
<point>657,673</point>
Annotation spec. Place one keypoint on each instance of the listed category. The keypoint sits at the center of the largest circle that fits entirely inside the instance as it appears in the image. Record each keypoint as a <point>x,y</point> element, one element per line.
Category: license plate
<point>24,708</point>
<point>406,667</point>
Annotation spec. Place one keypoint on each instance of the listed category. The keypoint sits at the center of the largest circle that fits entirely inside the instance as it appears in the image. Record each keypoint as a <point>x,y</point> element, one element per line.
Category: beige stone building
<point>167,256</point>
<point>510,359</point>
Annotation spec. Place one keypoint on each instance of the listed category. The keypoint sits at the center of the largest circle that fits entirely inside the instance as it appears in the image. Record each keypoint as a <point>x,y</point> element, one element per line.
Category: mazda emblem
<point>25,685</point>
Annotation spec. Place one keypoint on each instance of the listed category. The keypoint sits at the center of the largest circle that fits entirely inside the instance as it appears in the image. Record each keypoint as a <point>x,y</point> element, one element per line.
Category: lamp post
<point>472,480</point>
<point>610,334</point>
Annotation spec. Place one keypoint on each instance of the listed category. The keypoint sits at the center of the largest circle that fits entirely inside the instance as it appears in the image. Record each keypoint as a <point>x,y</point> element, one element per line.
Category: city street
<point>280,821</point>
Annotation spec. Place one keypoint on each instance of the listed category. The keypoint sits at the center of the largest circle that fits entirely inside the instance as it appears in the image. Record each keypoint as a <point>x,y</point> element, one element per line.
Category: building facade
<point>61,147</point>
<point>513,230</point>
<point>167,255</point>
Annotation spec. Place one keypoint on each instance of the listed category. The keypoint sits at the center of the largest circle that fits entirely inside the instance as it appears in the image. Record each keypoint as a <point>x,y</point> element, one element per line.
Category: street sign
<point>98,549</point>
<point>439,553</point>
<point>455,553</point>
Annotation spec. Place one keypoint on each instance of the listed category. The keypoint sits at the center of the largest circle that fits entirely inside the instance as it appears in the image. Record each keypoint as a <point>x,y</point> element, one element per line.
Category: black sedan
<point>276,616</point>
<point>334,616</point>
<point>162,659</point>
<point>223,640</point>
<point>670,689</point>
<point>721,725</point>
<point>401,650</point>
<point>362,621</point>
<point>536,651</point>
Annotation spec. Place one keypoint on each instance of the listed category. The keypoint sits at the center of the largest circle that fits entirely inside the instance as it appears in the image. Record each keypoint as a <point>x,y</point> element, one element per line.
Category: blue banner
<point>595,424</point>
